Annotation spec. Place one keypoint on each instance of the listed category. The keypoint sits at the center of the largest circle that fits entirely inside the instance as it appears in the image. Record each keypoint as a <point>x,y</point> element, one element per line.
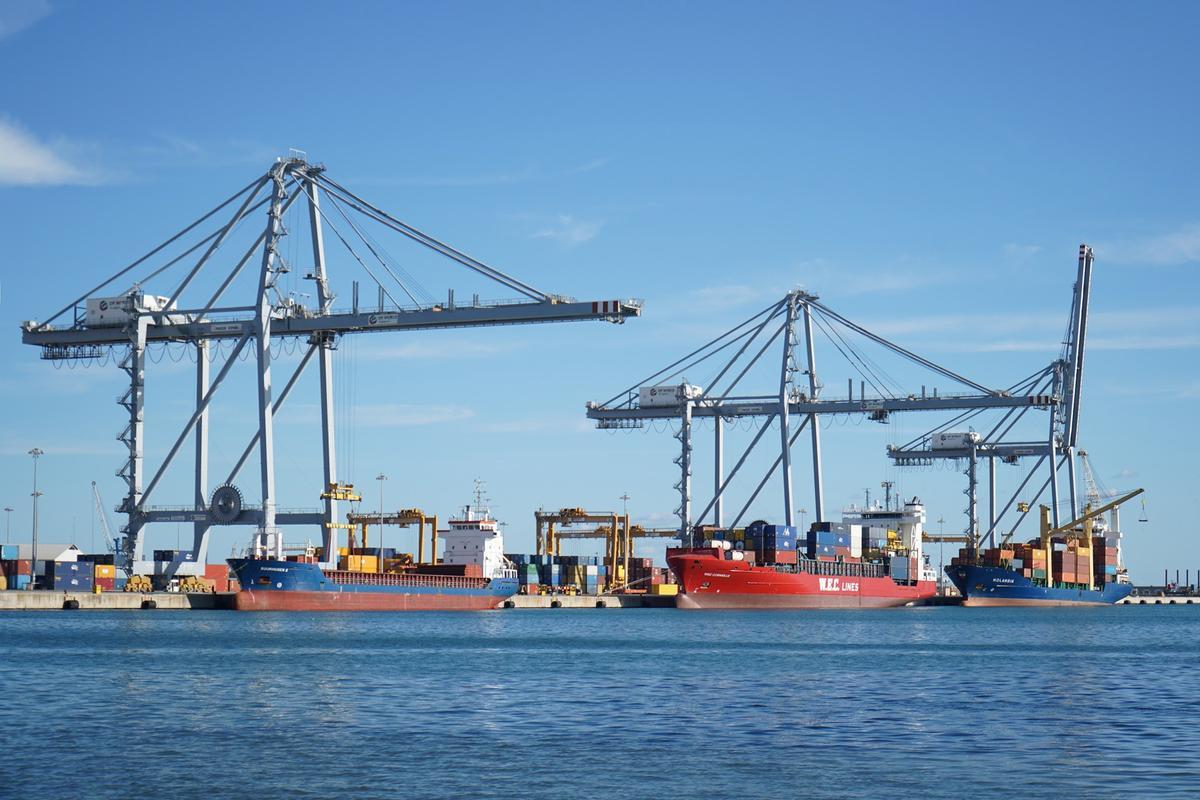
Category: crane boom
<point>110,541</point>
<point>1093,513</point>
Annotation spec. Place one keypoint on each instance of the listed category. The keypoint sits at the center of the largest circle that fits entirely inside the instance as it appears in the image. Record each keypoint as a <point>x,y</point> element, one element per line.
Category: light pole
<point>36,453</point>
<point>803,514</point>
<point>941,554</point>
<point>381,478</point>
<point>8,524</point>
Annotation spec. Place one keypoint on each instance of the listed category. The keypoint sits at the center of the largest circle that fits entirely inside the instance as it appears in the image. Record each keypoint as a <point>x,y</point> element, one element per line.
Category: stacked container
<point>17,572</point>
<point>70,576</point>
<point>828,541</point>
<point>775,544</point>
<point>104,577</point>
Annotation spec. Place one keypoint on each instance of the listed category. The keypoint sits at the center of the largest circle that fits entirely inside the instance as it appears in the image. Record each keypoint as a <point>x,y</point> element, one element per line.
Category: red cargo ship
<point>709,580</point>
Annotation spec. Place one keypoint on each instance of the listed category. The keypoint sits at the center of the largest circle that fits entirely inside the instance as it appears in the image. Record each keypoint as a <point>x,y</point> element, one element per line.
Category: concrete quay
<point>589,601</point>
<point>112,601</point>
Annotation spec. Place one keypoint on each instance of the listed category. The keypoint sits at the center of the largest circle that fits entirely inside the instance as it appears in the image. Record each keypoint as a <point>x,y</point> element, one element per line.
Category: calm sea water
<point>911,703</point>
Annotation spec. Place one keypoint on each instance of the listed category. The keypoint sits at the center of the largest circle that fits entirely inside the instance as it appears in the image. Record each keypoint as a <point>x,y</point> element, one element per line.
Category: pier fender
<point>556,603</point>
<point>509,604</point>
<point>601,604</point>
<point>70,605</point>
<point>148,605</point>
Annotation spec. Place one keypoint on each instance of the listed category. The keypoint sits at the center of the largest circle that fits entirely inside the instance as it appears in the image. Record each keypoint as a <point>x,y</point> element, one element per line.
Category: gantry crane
<point>135,320</point>
<point>1063,379</point>
<point>618,547</point>
<point>401,519</point>
<point>1079,529</point>
<point>787,399</point>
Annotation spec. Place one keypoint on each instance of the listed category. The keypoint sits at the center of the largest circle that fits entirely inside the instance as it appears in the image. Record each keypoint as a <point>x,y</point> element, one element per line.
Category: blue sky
<point>928,169</point>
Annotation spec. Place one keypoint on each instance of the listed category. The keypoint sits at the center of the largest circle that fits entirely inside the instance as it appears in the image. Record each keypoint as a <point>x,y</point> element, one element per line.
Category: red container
<point>23,567</point>
<point>217,572</point>
<point>779,557</point>
<point>106,584</point>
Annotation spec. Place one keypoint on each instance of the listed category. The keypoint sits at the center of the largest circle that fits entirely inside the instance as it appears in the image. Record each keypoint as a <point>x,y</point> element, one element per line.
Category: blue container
<point>900,567</point>
<point>71,568</point>
<point>71,576</point>
<point>1110,569</point>
<point>8,552</point>
<point>19,582</point>
<point>119,583</point>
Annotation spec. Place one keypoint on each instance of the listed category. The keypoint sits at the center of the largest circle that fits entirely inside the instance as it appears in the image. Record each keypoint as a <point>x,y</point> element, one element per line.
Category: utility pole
<point>36,453</point>
<point>941,552</point>
<point>381,478</point>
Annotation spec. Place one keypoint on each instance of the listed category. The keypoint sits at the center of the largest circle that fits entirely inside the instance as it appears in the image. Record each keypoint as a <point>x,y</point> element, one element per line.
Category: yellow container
<point>106,571</point>
<point>343,551</point>
<point>362,563</point>
<point>665,588</point>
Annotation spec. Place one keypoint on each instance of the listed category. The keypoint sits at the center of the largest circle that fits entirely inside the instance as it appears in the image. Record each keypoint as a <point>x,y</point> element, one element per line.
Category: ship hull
<point>288,586</point>
<point>983,587</point>
<point>714,583</point>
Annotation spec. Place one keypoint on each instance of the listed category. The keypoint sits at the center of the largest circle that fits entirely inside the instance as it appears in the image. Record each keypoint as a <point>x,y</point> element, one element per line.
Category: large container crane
<point>134,320</point>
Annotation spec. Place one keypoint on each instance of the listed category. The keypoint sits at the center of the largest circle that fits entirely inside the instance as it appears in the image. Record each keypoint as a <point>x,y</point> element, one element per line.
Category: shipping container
<point>9,552</point>
<point>779,557</point>
<point>661,396</point>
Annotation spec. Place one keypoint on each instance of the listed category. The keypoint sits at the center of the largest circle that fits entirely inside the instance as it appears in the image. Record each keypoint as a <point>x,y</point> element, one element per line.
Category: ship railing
<point>400,579</point>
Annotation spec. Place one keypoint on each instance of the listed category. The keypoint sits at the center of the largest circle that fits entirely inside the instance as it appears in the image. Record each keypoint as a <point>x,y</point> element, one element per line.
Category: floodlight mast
<point>145,321</point>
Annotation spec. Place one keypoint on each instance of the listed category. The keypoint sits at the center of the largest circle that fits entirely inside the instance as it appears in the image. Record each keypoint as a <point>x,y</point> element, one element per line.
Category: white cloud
<point>1014,250</point>
<point>594,164</point>
<point>381,415</point>
<point>538,425</point>
<point>568,231</point>
<point>397,415</point>
<point>1181,246</point>
<point>441,350</point>
<point>17,15</point>
<point>25,161</point>
<point>824,277</point>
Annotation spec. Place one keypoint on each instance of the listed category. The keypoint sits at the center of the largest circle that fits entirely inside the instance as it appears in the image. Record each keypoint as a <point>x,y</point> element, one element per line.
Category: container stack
<point>546,574</point>
<point>1070,565</point>
<point>776,544</point>
<point>1105,561</point>
<point>14,573</point>
<point>70,576</point>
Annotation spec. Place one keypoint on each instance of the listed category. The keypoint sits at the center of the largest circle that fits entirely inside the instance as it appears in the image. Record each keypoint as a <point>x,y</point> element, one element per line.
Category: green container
<point>1039,573</point>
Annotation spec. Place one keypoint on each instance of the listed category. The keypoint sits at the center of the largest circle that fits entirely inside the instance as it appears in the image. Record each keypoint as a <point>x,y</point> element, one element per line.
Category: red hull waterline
<point>714,583</point>
<point>248,600</point>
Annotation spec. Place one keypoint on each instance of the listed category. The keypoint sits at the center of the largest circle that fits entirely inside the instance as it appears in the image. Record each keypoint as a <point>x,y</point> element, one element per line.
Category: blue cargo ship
<point>271,585</point>
<point>472,576</point>
<point>1000,586</point>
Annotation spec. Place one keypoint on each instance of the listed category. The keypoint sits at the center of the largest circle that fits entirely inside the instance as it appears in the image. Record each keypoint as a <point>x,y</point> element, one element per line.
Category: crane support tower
<point>130,322</point>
